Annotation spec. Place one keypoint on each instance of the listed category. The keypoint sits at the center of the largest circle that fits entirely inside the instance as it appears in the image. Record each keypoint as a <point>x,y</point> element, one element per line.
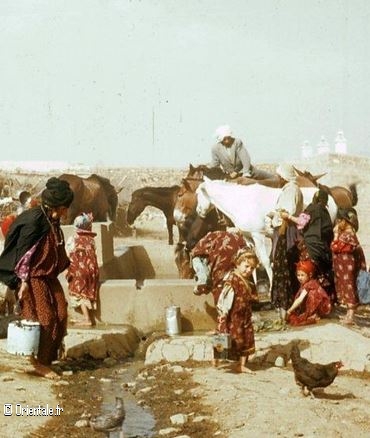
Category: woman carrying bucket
<point>33,257</point>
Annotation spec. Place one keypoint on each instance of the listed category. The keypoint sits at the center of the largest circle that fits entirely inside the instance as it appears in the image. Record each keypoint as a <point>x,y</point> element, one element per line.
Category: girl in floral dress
<point>348,259</point>
<point>83,272</point>
<point>235,317</point>
<point>311,302</point>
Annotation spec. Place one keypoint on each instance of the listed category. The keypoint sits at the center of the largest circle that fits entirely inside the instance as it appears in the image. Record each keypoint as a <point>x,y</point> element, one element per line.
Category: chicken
<point>310,375</point>
<point>111,421</point>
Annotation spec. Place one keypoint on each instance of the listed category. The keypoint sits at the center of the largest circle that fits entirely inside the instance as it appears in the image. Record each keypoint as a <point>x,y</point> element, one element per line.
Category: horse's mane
<point>209,172</point>
<point>164,190</point>
<point>110,192</point>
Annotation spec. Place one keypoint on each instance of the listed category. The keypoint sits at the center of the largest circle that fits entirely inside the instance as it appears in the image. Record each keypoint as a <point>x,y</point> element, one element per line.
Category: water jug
<point>23,337</point>
<point>173,320</point>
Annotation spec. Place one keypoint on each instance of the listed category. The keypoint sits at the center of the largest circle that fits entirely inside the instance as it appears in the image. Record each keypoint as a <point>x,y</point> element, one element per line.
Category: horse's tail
<point>354,195</point>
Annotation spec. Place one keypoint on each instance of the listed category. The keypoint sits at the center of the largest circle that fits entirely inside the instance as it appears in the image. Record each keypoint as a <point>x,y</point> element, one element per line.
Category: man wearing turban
<point>230,154</point>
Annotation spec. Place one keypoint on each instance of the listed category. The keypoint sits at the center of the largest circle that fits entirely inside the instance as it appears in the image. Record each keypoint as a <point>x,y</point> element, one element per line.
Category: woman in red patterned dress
<point>83,272</point>
<point>235,318</point>
<point>33,257</point>
<point>311,301</point>
<point>348,259</point>
<point>218,248</point>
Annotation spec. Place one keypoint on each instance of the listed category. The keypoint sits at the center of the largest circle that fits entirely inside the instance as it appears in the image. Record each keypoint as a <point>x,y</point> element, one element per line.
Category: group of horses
<point>205,202</point>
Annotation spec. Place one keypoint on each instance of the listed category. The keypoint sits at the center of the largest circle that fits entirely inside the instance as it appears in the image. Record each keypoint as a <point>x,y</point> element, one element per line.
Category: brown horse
<point>94,194</point>
<point>343,197</point>
<point>163,198</point>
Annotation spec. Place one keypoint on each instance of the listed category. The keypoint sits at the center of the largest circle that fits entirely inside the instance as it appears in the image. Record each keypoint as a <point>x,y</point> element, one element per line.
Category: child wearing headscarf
<point>83,271</point>
<point>234,307</point>
<point>311,302</point>
<point>348,259</point>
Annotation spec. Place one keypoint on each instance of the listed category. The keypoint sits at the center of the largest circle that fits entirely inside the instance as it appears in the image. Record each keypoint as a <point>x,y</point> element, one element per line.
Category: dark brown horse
<point>163,198</point>
<point>94,194</point>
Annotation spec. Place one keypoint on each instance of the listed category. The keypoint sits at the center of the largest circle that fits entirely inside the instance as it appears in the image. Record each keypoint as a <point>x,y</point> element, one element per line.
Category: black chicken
<point>310,375</point>
<point>111,421</point>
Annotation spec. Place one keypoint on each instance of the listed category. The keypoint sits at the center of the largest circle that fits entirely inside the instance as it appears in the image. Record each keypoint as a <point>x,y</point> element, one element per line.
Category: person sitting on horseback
<point>230,154</point>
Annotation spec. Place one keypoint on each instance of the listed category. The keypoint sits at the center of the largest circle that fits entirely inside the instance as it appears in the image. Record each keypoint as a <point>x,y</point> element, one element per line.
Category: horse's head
<point>306,179</point>
<point>203,201</point>
<point>185,203</point>
<point>135,207</point>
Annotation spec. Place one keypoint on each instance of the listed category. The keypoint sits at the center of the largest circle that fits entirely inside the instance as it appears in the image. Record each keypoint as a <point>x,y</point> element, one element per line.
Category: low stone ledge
<point>323,344</point>
<point>99,344</point>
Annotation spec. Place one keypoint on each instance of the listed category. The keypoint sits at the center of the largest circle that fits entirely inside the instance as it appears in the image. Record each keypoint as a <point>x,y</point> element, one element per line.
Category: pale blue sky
<point>147,82</point>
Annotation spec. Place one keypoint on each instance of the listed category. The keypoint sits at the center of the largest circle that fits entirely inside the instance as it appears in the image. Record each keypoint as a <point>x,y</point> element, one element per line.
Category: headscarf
<point>84,221</point>
<point>286,171</point>
<point>321,196</point>
<point>222,132</point>
<point>24,197</point>
<point>306,266</point>
<point>349,215</point>
<point>57,193</point>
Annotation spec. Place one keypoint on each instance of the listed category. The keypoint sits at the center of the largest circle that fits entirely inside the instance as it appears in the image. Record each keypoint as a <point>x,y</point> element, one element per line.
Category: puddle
<point>139,422</point>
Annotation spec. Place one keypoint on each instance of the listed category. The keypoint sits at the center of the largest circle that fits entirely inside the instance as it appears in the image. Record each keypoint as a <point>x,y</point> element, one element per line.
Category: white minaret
<point>340,143</point>
<point>323,147</point>
<point>306,150</point>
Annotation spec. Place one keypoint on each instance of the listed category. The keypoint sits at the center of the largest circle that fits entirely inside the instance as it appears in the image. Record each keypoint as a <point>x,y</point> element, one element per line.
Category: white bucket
<point>23,337</point>
<point>173,320</point>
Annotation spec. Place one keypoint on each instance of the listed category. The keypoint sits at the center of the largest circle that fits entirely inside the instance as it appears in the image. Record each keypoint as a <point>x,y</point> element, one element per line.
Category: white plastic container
<point>173,320</point>
<point>23,337</point>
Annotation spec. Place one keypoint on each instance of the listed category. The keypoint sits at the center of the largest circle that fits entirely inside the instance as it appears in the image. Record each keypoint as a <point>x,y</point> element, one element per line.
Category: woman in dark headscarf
<point>317,232</point>
<point>33,257</point>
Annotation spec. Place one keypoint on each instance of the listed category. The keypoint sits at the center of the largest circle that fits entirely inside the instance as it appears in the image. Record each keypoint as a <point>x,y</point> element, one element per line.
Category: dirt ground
<point>217,402</point>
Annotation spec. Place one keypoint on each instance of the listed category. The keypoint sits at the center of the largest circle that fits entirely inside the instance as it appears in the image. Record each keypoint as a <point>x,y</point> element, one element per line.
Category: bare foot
<point>243,369</point>
<point>215,363</point>
<point>83,323</point>
<point>38,369</point>
<point>347,321</point>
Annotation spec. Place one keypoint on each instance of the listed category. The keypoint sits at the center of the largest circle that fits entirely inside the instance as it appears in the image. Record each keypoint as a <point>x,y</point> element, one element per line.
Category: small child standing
<point>83,272</point>
<point>235,307</point>
<point>348,259</point>
<point>311,302</point>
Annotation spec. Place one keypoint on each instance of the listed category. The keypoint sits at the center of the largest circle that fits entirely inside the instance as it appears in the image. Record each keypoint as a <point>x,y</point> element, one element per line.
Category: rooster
<point>310,375</point>
<point>111,421</point>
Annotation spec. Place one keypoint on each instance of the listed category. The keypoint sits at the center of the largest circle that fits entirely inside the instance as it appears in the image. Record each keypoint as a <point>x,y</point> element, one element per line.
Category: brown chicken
<point>310,375</point>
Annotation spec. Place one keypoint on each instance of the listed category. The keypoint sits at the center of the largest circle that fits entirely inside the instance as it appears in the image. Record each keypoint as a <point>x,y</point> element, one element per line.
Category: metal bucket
<point>173,320</point>
<point>23,337</point>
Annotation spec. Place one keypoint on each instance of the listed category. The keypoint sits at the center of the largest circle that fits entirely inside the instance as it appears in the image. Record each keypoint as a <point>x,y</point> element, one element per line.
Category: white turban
<point>222,132</point>
<point>286,171</point>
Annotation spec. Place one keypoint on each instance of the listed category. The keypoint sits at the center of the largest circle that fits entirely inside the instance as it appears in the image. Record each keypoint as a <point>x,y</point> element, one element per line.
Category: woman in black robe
<point>33,257</point>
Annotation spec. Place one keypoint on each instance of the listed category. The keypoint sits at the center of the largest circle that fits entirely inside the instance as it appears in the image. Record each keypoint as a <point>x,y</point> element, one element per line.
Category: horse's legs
<point>170,231</point>
<point>261,252</point>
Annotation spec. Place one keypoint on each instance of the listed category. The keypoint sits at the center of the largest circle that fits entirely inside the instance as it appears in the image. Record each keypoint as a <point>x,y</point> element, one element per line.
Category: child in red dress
<point>235,307</point>
<point>311,301</point>
<point>348,259</point>
<point>83,272</point>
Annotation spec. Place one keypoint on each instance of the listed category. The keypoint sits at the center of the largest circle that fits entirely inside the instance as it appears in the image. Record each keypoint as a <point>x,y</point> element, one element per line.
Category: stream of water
<point>139,422</point>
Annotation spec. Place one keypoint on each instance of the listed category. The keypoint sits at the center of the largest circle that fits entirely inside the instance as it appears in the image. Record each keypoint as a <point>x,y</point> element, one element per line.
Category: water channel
<point>139,422</point>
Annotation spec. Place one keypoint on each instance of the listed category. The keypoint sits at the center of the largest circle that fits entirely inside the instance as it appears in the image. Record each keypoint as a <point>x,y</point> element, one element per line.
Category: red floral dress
<point>348,259</point>
<point>238,321</point>
<point>83,272</point>
<point>316,303</point>
<point>219,247</point>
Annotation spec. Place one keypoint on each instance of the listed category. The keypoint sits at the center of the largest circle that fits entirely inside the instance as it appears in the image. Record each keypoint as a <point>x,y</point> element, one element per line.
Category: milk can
<point>23,337</point>
<point>173,320</point>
